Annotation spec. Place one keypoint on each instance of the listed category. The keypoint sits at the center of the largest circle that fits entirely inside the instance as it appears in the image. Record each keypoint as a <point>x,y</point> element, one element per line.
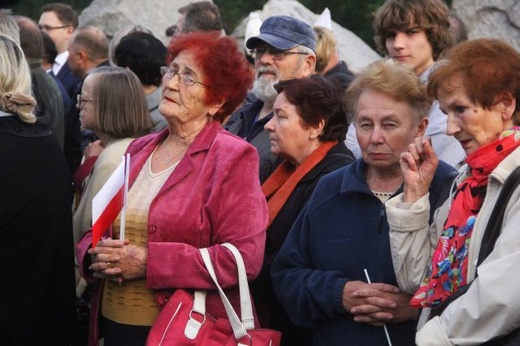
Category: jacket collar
<point>201,143</point>
<point>354,179</point>
<point>338,152</point>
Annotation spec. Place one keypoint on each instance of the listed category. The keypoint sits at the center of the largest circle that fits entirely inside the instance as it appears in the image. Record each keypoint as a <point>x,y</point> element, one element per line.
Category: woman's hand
<point>117,261</point>
<point>370,303</point>
<point>418,165</point>
<point>377,303</point>
<point>93,149</point>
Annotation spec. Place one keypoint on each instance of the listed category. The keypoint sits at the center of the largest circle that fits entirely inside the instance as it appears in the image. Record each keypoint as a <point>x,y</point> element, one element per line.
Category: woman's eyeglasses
<point>81,101</point>
<point>184,78</point>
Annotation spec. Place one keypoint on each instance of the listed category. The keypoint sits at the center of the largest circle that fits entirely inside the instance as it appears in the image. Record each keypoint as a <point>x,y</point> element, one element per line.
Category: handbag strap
<point>494,225</point>
<point>246,306</point>
<point>239,327</point>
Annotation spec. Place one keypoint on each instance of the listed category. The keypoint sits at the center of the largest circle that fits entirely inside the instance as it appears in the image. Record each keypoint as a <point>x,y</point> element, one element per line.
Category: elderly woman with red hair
<point>190,188</point>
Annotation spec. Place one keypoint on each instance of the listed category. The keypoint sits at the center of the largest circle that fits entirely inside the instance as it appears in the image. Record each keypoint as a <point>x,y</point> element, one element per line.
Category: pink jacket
<point>212,197</point>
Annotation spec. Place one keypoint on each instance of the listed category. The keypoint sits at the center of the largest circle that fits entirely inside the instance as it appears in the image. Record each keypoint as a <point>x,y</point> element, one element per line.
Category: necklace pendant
<point>167,160</point>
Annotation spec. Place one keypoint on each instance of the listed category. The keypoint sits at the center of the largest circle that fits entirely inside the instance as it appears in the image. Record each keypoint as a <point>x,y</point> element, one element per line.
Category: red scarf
<point>449,266</point>
<point>280,185</point>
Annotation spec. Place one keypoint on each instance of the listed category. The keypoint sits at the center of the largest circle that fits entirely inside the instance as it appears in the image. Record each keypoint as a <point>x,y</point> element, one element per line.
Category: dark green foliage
<point>31,8</point>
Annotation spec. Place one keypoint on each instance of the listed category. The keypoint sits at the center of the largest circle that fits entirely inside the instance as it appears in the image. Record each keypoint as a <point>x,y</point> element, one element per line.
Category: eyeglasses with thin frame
<point>50,28</point>
<point>184,78</point>
<point>276,54</point>
<point>82,101</point>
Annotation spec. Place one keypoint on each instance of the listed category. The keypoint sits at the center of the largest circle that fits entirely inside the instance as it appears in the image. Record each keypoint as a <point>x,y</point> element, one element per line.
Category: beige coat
<point>491,306</point>
<point>105,165</point>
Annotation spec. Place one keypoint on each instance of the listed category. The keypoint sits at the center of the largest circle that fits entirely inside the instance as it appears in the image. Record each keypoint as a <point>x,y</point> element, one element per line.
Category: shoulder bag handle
<point>239,327</point>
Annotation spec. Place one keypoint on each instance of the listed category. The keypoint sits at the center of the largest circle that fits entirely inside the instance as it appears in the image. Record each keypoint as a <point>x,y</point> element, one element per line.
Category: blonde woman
<point>328,63</point>
<point>36,253</point>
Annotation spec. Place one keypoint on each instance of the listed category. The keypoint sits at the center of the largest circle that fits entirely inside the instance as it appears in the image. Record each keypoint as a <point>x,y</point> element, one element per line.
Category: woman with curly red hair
<point>186,192</point>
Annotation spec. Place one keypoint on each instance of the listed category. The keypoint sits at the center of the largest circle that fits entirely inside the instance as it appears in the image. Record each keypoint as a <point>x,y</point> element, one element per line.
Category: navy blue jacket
<point>342,231</point>
<point>269,310</point>
<point>69,81</point>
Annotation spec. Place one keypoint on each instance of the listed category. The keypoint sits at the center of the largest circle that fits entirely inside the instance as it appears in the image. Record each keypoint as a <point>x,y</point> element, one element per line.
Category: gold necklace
<point>170,158</point>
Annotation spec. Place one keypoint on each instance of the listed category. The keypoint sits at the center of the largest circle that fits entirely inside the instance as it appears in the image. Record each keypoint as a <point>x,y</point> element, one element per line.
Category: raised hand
<point>418,165</point>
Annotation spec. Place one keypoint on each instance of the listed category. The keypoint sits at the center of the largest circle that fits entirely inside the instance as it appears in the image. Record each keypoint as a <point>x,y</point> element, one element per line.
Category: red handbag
<point>183,320</point>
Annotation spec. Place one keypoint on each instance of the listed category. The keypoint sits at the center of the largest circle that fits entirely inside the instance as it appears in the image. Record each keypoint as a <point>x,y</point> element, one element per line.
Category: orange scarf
<point>280,185</point>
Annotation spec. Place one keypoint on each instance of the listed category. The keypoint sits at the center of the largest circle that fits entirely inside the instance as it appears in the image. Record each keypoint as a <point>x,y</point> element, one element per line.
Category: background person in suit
<point>59,21</point>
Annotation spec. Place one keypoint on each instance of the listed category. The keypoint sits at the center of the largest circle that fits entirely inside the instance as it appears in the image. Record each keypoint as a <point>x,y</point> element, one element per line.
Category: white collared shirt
<point>60,60</point>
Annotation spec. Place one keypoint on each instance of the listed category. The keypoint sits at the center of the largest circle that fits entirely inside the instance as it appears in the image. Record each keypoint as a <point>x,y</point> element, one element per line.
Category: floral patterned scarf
<point>448,269</point>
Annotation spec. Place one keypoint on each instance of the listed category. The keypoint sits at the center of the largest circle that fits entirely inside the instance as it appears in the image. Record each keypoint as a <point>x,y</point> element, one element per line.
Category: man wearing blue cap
<point>284,49</point>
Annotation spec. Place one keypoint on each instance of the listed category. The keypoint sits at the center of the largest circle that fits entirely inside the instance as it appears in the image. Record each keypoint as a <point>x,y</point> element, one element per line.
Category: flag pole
<point>384,325</point>
<point>126,160</point>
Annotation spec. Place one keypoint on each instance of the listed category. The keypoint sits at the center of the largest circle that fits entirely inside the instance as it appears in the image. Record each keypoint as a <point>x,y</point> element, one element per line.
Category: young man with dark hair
<point>415,33</point>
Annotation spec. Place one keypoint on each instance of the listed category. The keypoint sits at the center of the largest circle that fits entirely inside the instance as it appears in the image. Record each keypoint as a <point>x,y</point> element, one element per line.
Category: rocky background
<point>484,18</point>
<point>491,18</point>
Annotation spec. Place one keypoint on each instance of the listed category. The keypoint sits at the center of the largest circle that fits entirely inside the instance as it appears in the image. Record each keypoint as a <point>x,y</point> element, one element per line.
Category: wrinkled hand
<point>377,303</point>
<point>418,165</point>
<point>117,261</point>
<point>93,149</point>
<point>402,311</point>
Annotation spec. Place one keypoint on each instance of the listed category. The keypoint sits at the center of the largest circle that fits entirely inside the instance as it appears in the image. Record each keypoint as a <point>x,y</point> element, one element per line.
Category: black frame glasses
<point>49,28</point>
<point>276,54</point>
<point>184,78</point>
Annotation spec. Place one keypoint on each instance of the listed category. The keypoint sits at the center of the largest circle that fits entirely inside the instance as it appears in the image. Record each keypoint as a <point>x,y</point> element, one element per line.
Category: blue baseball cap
<point>284,33</point>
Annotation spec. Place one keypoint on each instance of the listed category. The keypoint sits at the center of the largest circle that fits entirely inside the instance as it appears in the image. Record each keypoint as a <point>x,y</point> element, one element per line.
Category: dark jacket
<point>48,96</point>
<point>68,80</point>
<point>269,310</point>
<point>37,294</point>
<point>253,131</point>
<point>340,74</point>
<point>342,231</point>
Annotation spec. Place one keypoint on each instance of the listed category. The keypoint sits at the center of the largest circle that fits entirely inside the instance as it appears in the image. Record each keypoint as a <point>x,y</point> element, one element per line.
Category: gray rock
<point>351,48</point>
<point>114,15</point>
<point>491,18</point>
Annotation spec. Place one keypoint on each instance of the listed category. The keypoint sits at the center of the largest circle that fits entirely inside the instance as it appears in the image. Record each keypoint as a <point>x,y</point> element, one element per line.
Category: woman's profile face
<point>289,137</point>
<point>384,129</point>
<point>87,104</point>
<point>471,124</point>
<point>180,100</point>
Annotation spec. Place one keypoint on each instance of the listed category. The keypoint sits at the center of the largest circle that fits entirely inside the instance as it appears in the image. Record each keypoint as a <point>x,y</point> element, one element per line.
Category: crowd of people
<point>361,203</point>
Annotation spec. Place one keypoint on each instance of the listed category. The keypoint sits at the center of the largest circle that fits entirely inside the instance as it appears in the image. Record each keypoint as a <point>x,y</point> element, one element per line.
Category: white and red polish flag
<point>110,201</point>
